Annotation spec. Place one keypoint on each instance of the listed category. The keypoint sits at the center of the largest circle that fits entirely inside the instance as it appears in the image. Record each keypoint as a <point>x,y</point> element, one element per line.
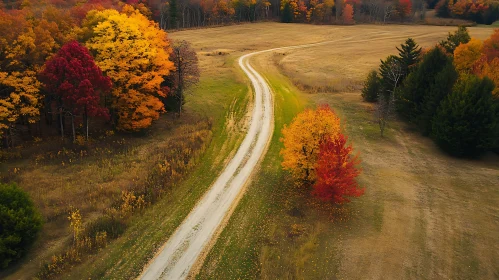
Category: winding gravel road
<point>180,252</point>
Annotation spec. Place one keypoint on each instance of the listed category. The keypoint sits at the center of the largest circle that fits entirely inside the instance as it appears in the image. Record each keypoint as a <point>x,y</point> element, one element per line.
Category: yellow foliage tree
<point>466,55</point>
<point>134,53</point>
<point>302,139</point>
<point>22,101</point>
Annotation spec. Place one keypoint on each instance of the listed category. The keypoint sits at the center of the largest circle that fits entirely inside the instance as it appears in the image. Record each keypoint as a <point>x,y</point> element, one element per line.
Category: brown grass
<point>95,177</point>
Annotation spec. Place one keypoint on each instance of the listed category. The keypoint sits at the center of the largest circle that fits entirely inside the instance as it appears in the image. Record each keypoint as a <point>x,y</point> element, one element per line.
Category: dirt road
<point>179,254</point>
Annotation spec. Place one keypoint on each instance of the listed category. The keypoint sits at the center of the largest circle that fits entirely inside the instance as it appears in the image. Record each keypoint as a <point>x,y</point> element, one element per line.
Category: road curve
<point>180,252</point>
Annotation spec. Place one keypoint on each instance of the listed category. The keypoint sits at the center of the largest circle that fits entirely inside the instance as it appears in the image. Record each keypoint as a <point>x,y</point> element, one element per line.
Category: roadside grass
<point>239,248</point>
<point>150,230</point>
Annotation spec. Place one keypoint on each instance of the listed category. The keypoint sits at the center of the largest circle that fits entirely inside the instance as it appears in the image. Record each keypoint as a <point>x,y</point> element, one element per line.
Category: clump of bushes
<point>19,223</point>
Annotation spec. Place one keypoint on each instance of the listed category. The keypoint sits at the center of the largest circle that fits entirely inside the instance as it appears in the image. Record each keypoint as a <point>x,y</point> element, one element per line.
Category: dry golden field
<point>425,215</point>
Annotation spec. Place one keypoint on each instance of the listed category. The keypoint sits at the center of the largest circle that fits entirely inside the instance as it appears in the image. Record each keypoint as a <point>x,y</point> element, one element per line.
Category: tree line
<point>479,11</point>
<point>449,92</point>
<point>58,70</point>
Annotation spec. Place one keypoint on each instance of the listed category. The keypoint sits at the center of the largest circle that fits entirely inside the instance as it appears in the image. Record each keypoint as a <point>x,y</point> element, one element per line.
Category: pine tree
<point>425,87</point>
<point>372,87</point>
<point>287,13</point>
<point>409,53</point>
<point>173,14</point>
<point>461,36</point>
<point>467,122</point>
<point>438,91</point>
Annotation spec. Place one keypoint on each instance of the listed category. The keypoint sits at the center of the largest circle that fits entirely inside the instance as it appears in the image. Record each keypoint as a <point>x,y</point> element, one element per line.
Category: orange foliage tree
<point>134,53</point>
<point>336,171</point>
<point>491,46</point>
<point>466,55</point>
<point>302,139</point>
<point>404,8</point>
<point>481,59</point>
<point>348,14</point>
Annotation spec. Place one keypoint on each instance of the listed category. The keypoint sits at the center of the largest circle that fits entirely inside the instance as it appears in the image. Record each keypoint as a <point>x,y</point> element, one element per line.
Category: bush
<point>467,121</point>
<point>372,87</point>
<point>19,223</point>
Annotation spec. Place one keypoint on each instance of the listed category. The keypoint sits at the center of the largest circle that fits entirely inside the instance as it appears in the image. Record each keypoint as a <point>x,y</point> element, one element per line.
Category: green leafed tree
<point>467,122</point>
<point>19,223</point>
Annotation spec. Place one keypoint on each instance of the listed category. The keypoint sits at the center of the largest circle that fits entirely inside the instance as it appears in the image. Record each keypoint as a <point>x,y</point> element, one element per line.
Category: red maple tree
<point>336,171</point>
<point>404,8</point>
<point>77,81</point>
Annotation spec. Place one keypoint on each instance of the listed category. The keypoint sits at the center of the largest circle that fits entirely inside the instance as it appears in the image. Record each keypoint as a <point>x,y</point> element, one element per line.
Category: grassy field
<point>425,215</point>
<point>418,219</point>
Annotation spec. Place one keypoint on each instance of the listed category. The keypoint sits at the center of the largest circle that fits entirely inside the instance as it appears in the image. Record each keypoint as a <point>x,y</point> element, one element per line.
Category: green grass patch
<point>236,254</point>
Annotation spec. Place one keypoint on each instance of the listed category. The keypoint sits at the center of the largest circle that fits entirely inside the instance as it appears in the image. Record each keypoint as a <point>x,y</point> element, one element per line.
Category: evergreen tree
<point>467,122</point>
<point>287,13</point>
<point>438,91</point>
<point>372,87</point>
<point>409,55</point>
<point>461,36</point>
<point>425,87</point>
<point>173,14</point>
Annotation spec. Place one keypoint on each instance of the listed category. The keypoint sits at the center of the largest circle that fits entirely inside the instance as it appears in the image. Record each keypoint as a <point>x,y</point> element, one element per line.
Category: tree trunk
<point>86,126</point>
<point>73,127</point>
<point>61,122</point>
<point>180,83</point>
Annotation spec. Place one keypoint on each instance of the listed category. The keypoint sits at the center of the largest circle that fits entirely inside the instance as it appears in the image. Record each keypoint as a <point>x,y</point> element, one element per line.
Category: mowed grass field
<point>424,215</point>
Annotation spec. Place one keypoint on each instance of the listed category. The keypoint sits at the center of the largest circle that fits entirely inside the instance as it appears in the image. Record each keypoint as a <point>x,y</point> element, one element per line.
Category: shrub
<point>467,121</point>
<point>372,87</point>
<point>19,223</point>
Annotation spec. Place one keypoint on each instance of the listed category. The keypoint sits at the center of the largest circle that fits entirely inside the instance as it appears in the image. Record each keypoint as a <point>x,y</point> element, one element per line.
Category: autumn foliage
<point>480,58</point>
<point>466,55</point>
<point>134,53</point>
<point>73,76</point>
<point>348,14</point>
<point>315,154</point>
<point>302,139</point>
<point>336,171</point>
